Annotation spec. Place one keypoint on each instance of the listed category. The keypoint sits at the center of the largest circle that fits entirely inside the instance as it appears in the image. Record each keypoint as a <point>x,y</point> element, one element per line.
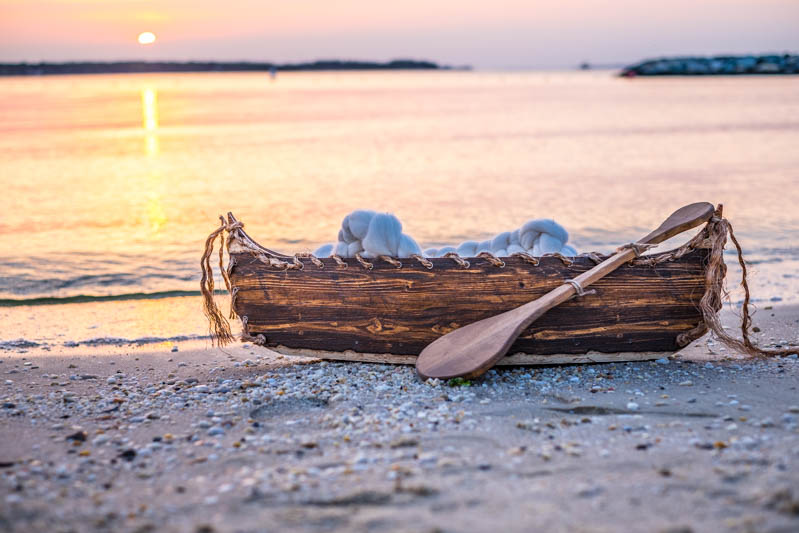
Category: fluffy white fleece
<point>374,234</point>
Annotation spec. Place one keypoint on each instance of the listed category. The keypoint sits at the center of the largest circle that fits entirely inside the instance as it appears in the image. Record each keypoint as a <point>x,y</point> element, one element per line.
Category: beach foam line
<point>21,344</point>
<point>84,298</point>
<point>117,341</point>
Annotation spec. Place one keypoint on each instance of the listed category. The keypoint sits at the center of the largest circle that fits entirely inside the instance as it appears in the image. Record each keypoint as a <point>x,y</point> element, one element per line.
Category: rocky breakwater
<point>718,65</point>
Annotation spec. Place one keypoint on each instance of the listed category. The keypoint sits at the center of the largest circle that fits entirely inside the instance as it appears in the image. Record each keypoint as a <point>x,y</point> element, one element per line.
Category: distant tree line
<point>121,67</point>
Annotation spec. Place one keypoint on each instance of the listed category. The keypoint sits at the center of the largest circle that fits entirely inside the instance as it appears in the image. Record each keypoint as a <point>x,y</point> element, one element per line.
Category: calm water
<point>111,183</point>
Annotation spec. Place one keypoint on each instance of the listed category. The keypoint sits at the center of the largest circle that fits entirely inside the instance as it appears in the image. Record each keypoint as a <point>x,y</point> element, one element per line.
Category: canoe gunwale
<point>240,242</point>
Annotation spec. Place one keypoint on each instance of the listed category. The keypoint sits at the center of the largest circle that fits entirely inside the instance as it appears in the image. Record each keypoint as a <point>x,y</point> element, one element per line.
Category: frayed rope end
<point>219,326</point>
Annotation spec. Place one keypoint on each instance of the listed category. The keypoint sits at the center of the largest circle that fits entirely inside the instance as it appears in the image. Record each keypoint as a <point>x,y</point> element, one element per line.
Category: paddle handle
<point>559,295</point>
<point>685,218</point>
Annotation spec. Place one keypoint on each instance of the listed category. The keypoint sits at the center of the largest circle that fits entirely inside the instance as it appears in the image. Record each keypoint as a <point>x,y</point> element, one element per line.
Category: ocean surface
<point>111,183</point>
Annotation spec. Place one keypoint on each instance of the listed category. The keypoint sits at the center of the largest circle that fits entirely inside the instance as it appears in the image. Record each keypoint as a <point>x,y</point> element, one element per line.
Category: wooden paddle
<point>473,349</point>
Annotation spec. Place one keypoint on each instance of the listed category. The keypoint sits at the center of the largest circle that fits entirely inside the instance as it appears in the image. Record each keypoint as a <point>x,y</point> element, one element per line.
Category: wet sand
<point>178,436</point>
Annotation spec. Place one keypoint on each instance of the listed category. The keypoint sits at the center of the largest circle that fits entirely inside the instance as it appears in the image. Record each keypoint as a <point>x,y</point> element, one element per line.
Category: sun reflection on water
<point>149,104</point>
<point>156,215</point>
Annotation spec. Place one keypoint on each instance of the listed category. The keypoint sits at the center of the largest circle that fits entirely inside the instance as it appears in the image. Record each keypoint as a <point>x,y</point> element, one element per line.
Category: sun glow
<point>146,37</point>
<point>149,104</point>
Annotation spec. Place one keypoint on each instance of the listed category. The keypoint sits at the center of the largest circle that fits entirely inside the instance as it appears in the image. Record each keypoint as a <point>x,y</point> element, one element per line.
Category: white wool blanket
<point>374,234</point>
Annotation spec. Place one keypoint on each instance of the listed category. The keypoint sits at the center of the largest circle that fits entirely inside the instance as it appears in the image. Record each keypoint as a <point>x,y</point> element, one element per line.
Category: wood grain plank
<point>399,311</point>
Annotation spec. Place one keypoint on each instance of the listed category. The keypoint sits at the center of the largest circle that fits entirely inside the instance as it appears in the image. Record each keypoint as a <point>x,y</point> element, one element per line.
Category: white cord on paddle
<point>579,288</point>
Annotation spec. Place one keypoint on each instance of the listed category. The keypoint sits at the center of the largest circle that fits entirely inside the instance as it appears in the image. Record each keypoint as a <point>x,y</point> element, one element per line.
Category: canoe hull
<point>399,311</point>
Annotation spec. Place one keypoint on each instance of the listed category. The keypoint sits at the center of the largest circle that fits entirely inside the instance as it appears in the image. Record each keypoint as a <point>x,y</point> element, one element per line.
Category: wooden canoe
<point>387,310</point>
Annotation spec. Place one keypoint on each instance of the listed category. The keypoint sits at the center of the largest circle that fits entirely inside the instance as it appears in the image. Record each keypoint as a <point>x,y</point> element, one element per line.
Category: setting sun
<point>146,37</point>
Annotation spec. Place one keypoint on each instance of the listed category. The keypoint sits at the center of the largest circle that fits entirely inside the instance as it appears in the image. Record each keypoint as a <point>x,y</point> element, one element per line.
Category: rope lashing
<point>233,296</point>
<point>259,339</point>
<point>593,256</point>
<point>364,263</point>
<point>491,258</point>
<point>463,263</point>
<point>637,247</point>
<point>390,260</point>
<point>315,260</point>
<point>527,257</point>
<point>424,262</point>
<point>563,259</point>
<point>579,288</point>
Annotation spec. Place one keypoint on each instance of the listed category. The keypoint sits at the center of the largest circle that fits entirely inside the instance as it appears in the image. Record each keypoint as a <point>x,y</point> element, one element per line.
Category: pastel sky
<point>485,34</point>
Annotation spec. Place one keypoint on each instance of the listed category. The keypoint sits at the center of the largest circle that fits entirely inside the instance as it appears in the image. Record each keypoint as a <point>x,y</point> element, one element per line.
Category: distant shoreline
<point>139,67</point>
<point>730,65</point>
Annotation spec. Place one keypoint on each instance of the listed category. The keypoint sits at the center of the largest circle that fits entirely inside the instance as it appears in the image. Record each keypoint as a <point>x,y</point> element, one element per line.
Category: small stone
<point>663,361</point>
<point>404,442</point>
<point>215,430</point>
<point>519,450</point>
<point>686,383</point>
<point>128,455</point>
<point>79,436</point>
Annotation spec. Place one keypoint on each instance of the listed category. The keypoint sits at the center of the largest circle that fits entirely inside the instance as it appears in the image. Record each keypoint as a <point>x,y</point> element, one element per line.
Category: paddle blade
<point>681,220</point>
<point>470,351</point>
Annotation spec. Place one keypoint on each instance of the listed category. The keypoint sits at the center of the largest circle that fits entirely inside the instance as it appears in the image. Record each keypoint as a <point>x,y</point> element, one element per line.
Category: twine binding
<point>491,258</point>
<point>579,288</point>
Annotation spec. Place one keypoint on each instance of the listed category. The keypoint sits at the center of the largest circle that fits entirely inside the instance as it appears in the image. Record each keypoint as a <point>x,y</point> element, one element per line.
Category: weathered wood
<point>472,349</point>
<point>400,311</point>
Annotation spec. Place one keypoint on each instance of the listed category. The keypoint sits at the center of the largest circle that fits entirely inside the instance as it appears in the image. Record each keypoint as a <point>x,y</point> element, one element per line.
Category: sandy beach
<point>546,144</point>
<point>179,436</point>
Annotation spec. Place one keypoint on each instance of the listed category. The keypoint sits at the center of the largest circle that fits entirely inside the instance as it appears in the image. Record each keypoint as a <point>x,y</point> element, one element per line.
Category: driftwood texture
<point>389,310</point>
